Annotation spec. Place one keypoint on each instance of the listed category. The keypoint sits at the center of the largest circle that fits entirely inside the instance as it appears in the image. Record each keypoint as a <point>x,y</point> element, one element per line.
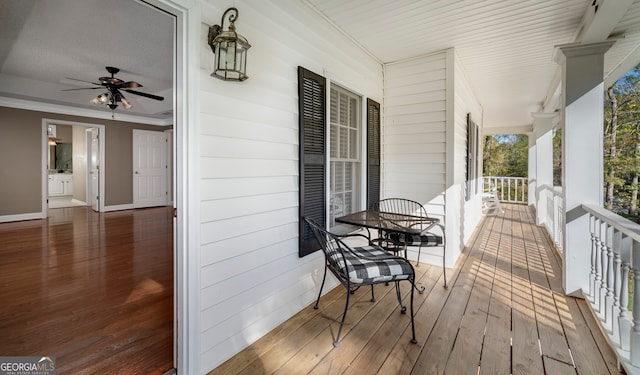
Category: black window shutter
<point>472,149</point>
<point>373,154</point>
<point>311,94</point>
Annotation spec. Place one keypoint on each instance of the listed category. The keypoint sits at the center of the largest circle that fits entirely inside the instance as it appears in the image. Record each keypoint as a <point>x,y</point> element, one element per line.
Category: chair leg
<point>373,297</point>
<point>324,277</point>
<point>403,309</point>
<point>336,343</point>
<point>415,286</point>
<point>413,326</point>
<point>444,256</point>
<point>444,267</point>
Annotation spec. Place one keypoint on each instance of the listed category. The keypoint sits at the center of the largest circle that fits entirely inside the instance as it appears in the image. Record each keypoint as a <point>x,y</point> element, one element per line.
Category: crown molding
<point>73,111</point>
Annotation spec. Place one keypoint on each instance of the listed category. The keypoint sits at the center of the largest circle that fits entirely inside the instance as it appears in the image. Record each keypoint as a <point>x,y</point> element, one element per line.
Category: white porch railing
<point>615,269</point>
<point>554,214</point>
<point>509,189</point>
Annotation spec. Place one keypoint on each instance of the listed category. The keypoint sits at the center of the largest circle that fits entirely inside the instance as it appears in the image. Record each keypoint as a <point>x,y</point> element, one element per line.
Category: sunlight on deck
<point>504,312</point>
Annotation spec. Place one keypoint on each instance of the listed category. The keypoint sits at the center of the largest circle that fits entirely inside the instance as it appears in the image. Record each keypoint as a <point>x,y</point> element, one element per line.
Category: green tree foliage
<point>557,157</point>
<point>622,143</point>
<point>506,155</point>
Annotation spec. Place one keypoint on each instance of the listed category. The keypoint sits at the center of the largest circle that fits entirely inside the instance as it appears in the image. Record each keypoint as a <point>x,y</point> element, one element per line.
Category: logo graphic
<point>28,365</point>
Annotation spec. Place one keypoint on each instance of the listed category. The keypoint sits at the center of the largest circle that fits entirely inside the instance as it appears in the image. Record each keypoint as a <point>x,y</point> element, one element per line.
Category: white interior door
<point>94,168</point>
<point>149,168</point>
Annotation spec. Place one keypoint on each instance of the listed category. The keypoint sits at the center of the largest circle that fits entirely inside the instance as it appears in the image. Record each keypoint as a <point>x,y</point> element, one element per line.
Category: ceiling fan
<point>114,86</point>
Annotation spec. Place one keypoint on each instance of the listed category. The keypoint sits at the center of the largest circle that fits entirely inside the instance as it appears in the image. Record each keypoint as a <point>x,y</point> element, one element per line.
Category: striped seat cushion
<point>372,265</point>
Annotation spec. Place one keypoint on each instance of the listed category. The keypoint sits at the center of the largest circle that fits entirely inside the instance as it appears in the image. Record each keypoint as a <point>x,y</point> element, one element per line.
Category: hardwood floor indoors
<point>95,290</point>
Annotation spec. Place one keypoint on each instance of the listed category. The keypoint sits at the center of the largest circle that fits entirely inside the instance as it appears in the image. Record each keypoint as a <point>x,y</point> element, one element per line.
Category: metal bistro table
<point>389,222</point>
<point>392,228</point>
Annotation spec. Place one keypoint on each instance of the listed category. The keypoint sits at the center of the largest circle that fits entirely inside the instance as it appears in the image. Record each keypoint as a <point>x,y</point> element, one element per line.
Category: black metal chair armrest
<point>354,235</point>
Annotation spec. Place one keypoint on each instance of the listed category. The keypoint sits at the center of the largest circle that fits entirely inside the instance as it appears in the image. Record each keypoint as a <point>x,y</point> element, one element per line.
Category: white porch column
<point>531,171</point>
<point>543,133</point>
<point>582,165</point>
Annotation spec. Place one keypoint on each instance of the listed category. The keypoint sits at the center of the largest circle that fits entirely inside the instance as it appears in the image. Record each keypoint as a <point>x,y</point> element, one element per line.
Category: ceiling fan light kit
<point>230,49</point>
<point>113,97</point>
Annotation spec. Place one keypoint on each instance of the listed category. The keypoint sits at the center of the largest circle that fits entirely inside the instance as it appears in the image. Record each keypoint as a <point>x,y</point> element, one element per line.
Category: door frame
<point>46,122</point>
<point>186,80</point>
<point>89,182</point>
<point>170,169</point>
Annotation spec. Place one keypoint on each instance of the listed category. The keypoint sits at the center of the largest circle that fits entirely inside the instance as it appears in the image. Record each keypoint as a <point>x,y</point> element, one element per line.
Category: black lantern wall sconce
<point>230,49</point>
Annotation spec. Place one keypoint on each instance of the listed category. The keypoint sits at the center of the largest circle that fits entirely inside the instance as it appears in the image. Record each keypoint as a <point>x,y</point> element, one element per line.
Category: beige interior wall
<point>21,158</point>
<point>20,162</point>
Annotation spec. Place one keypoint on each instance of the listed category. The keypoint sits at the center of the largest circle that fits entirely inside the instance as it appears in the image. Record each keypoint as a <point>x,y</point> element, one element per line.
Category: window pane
<point>353,109</point>
<point>344,143</point>
<point>339,177</point>
<point>333,103</point>
<point>353,144</point>
<point>345,147</point>
<point>333,138</point>
<point>344,109</point>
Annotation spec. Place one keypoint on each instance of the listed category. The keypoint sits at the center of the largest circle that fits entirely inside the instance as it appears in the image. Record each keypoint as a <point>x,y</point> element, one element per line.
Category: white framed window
<point>345,152</point>
<point>339,153</point>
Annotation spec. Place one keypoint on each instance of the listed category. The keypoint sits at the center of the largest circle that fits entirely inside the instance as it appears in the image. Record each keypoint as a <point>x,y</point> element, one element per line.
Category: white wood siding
<point>251,277</point>
<point>414,134</point>
<point>465,102</point>
<point>424,140</point>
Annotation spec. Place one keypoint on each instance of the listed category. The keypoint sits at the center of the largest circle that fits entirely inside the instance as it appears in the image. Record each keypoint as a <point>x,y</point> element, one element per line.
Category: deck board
<point>504,312</point>
<point>550,331</point>
<point>496,349</point>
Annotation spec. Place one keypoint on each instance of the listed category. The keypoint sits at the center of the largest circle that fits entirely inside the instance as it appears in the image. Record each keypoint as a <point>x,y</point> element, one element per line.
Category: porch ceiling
<point>505,46</point>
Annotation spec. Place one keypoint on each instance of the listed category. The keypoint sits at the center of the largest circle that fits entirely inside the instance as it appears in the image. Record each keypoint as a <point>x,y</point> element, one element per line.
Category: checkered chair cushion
<point>370,264</point>
<point>423,240</point>
<point>426,239</point>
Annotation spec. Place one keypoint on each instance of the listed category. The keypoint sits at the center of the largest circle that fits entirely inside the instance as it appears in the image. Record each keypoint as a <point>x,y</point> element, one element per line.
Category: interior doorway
<point>178,96</point>
<point>93,168</point>
<point>68,176</point>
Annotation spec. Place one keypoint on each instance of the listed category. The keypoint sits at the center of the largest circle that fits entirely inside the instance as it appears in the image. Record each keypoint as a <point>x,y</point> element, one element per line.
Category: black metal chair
<point>397,242</point>
<point>359,266</point>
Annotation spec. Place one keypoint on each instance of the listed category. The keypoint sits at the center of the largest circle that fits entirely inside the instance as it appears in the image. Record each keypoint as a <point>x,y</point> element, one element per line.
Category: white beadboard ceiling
<point>506,47</point>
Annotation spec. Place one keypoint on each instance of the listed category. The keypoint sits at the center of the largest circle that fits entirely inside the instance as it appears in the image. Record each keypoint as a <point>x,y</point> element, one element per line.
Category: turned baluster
<point>635,332</point>
<point>618,241</point>
<point>593,224</point>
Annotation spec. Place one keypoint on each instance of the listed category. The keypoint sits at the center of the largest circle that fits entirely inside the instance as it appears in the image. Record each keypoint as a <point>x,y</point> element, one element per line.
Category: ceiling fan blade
<point>83,88</point>
<point>130,84</point>
<point>150,96</point>
<point>82,80</point>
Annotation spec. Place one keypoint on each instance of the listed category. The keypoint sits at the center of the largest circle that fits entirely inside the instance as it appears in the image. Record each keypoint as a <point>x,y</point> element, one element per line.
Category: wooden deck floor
<point>504,313</point>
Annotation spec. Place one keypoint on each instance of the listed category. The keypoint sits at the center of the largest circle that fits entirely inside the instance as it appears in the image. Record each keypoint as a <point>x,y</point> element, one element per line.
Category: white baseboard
<point>118,207</point>
<point>21,217</point>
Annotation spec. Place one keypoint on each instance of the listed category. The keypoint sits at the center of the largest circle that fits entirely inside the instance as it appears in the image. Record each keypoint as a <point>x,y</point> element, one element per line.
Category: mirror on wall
<point>61,157</point>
